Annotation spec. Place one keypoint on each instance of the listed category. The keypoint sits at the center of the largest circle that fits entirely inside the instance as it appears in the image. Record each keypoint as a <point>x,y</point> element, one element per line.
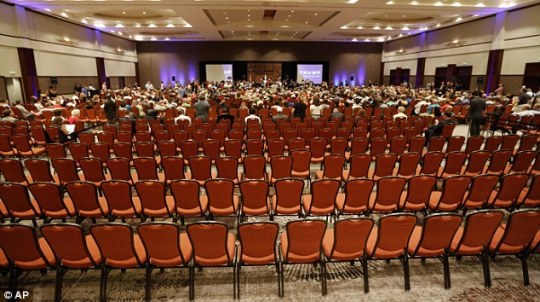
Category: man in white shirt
<point>182,116</point>
<point>400,113</point>
<point>252,116</point>
<point>419,105</point>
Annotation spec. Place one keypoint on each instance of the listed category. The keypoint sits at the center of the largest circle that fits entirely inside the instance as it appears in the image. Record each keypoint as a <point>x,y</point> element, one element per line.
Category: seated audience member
<point>280,115</point>
<point>437,129</point>
<point>27,115</point>
<point>400,113</point>
<point>8,116</point>
<point>74,118</point>
<point>58,113</point>
<point>225,115</point>
<point>182,116</point>
<point>337,115</point>
<point>252,116</point>
<point>316,109</point>
<point>63,132</point>
<point>4,104</point>
<point>525,111</point>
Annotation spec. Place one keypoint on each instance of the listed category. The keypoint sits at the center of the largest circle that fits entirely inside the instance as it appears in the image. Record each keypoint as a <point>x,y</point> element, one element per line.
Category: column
<point>30,83</point>
<point>420,70</point>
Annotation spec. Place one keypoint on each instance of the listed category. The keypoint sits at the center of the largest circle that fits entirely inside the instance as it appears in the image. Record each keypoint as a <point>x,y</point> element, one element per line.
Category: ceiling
<point>271,20</point>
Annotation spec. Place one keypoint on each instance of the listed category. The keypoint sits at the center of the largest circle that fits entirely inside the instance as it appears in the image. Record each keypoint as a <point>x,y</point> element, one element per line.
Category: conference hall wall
<point>59,50</point>
<point>510,38</point>
<point>160,61</point>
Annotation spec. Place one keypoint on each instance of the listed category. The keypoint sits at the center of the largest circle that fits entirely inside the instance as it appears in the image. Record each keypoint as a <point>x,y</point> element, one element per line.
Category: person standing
<point>299,109</point>
<point>202,107</point>
<point>110,109</point>
<point>476,112</point>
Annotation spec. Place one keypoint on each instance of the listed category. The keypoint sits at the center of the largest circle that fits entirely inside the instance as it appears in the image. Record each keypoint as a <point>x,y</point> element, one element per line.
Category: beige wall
<point>515,31</point>
<point>54,57</point>
<point>160,60</point>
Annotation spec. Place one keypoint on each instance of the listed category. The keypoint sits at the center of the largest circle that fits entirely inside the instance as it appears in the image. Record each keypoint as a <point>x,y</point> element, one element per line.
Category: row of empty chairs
<point>115,198</point>
<point>210,244</point>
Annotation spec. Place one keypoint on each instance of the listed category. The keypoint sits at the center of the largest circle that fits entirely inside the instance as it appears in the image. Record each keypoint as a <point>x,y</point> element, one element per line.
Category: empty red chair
<point>455,143</point>
<point>280,167</point>
<point>479,194</point>
<point>431,163</point>
<point>416,144</point>
<point>498,162</point>
<point>516,237</point>
<point>433,239</point>
<point>492,143</point>
<point>390,239</point>
<point>474,143</point>
<point>17,202</point>
<point>213,246</point>
<point>200,168</point>
<point>165,247</point>
<point>13,171</point>
<point>322,199</point>
<point>452,195</point>
<point>120,249</point>
<point>188,202</point>
<point>347,242</point>
<point>473,239</point>
<point>24,149</point>
<point>418,194</point>
<point>119,169</point>
<point>227,167</point>
<point>40,171</point>
<point>355,199</point>
<point>258,247</point>
<point>93,170</point>
<point>332,167</point>
<point>388,196</point>
<point>359,167</point>
<point>255,201</point>
<point>477,162</point>
<point>510,188</point>
<point>147,169</point>
<point>72,249</point>
<point>154,201</point>
<point>119,199</point>
<point>85,199</point>
<point>221,198</point>
<point>408,165</point>
<point>453,164</point>
<point>288,197</point>
<point>530,197</point>
<point>24,251</point>
<point>384,166</point>
<point>50,199</point>
<point>301,243</point>
<point>522,162</point>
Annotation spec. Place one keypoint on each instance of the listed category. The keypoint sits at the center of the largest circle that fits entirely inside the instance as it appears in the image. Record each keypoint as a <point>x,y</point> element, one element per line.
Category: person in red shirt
<point>74,118</point>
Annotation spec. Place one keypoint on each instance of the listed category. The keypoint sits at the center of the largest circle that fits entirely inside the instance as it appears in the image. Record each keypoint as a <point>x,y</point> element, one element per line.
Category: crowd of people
<point>149,102</point>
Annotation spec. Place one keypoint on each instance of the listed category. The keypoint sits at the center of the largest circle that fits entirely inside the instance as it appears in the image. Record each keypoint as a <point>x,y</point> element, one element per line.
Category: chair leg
<point>148,282</point>
<point>365,273</point>
<point>58,289</point>
<point>103,289</point>
<point>278,279</point>
<point>323,277</point>
<point>446,269</point>
<point>406,274</point>
<point>525,268</point>
<point>485,266</point>
<point>282,279</point>
<point>191,283</point>
<point>235,279</point>
<point>14,279</point>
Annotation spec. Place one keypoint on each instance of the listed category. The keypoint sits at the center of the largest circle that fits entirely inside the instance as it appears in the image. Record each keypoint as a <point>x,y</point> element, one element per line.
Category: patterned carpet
<point>302,283</point>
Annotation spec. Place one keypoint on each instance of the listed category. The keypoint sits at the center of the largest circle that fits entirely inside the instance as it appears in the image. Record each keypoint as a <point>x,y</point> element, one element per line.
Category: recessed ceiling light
<point>405,28</point>
<point>99,24</point>
<point>367,40</point>
<point>120,33</point>
<point>123,13</point>
<point>170,25</point>
<point>138,25</point>
<point>414,2</point>
<point>456,4</point>
<point>459,19</point>
<point>389,38</point>
<point>352,1</point>
<point>389,2</point>
<point>438,3</point>
<point>354,40</point>
<point>67,39</point>
<point>376,27</point>
<point>84,21</point>
<point>167,39</point>
<point>400,35</point>
<point>381,39</point>
<point>360,27</point>
<point>344,27</point>
<point>476,15</point>
<point>63,14</point>
<point>438,25</point>
<point>480,4</point>
<point>151,25</point>
<point>456,41</point>
<point>389,27</point>
<point>47,9</point>
<point>144,13</point>
<point>153,39</point>
<point>119,25</point>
